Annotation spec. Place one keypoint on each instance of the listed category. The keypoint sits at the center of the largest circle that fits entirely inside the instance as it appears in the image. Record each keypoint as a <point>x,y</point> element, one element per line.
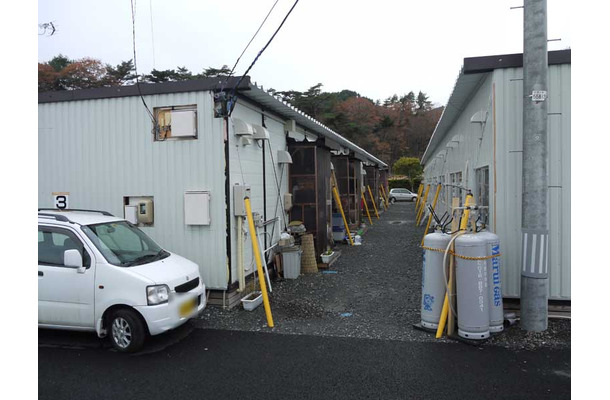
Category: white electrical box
<point>184,123</point>
<point>197,207</point>
<point>287,202</point>
<point>131,214</point>
<point>139,210</point>
<point>240,192</point>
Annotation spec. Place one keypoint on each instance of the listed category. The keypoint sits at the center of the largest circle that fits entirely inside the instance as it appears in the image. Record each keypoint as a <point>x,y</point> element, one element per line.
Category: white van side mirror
<point>73,259</point>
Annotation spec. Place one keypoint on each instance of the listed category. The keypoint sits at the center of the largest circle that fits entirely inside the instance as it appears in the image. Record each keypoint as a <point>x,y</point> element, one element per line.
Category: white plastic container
<point>291,263</point>
<point>251,301</point>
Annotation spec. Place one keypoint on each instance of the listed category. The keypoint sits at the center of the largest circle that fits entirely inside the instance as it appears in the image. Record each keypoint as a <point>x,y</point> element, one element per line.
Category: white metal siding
<point>246,164</point>
<point>508,183</point>
<point>101,150</point>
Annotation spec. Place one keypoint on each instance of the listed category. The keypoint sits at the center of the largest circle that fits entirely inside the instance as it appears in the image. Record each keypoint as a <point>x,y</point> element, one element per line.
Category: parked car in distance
<point>100,273</point>
<point>401,194</point>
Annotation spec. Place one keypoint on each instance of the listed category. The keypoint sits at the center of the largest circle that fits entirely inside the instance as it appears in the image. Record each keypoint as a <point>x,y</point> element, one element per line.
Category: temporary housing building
<point>477,144</point>
<point>167,157</point>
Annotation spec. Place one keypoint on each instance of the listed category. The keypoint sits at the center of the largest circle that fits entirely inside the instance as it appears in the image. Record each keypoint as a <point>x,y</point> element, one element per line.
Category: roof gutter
<point>290,112</point>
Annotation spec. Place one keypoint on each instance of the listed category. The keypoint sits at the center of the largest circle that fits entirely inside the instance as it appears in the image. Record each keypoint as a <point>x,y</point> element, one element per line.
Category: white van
<point>97,272</point>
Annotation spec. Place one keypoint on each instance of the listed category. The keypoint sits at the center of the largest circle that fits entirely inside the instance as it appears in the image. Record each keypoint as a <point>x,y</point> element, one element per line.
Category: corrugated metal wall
<point>246,164</point>
<point>474,149</point>
<point>102,150</point>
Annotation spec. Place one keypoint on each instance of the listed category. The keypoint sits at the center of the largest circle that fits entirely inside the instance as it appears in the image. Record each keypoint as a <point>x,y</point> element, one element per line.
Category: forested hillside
<point>395,127</point>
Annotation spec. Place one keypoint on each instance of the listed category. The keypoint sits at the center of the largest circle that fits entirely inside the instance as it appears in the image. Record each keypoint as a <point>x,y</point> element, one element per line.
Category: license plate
<point>187,307</point>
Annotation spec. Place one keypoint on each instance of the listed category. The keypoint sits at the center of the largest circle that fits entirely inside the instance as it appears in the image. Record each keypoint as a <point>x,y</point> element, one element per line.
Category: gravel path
<point>375,294</point>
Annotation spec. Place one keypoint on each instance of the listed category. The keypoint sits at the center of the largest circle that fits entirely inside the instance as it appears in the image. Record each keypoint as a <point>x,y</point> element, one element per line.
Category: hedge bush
<point>404,183</point>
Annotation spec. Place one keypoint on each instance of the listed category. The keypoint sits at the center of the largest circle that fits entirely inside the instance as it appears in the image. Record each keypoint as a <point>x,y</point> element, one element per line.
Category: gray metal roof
<point>471,76</point>
<point>465,86</point>
<point>246,89</point>
<point>288,111</point>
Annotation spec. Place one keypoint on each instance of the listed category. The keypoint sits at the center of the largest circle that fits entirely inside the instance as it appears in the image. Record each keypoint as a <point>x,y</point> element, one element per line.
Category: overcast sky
<point>376,48</point>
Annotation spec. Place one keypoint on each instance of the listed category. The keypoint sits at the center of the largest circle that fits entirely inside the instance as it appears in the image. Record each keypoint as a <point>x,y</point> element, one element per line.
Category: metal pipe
<point>240,255</point>
<point>534,222</point>
<point>259,267</point>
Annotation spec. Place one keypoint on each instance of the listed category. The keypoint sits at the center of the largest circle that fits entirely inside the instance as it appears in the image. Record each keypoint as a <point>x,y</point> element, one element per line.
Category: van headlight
<point>157,294</point>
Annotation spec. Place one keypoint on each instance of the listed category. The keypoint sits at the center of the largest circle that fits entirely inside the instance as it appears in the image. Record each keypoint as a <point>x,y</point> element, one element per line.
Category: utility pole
<point>534,222</point>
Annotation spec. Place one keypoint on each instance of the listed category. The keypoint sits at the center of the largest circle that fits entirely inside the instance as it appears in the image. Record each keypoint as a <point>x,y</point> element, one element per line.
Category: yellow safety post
<point>366,207</point>
<point>338,201</point>
<point>385,197</point>
<point>422,205</point>
<point>373,201</point>
<point>438,190</point>
<point>450,315</point>
<point>259,263</point>
<point>463,226</point>
<point>420,189</point>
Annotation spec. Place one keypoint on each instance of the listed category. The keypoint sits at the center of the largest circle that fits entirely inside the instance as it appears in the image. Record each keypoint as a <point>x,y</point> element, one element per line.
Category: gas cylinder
<point>472,286</point>
<point>496,309</point>
<point>433,279</point>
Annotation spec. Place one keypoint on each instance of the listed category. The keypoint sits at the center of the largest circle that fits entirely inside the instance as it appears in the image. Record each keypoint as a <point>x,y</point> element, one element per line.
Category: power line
<point>257,56</point>
<point>135,67</point>
<point>152,32</point>
<point>248,45</point>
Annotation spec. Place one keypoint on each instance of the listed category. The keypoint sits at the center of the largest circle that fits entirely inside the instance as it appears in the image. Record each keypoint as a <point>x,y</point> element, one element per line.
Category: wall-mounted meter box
<point>197,207</point>
<point>139,210</point>
<point>240,192</point>
<point>146,212</point>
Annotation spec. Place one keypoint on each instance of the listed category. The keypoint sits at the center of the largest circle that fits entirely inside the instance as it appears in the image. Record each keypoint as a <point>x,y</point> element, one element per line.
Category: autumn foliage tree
<point>61,73</point>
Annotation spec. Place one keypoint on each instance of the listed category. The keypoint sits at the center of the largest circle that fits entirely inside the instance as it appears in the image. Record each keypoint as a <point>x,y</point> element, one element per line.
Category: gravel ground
<point>375,294</point>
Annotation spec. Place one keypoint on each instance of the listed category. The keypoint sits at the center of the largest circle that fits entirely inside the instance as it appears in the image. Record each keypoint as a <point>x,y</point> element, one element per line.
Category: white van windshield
<point>123,244</point>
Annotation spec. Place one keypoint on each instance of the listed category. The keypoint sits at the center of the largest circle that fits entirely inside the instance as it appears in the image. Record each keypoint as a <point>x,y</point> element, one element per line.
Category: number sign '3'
<point>60,200</point>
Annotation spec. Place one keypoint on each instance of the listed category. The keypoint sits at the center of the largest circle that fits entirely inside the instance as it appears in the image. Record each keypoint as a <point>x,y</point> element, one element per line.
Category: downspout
<point>264,182</point>
<point>228,201</point>
<point>240,255</point>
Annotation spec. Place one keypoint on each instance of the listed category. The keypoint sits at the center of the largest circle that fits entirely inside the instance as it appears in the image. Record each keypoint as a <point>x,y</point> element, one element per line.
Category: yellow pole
<point>463,226</point>
<point>373,200</point>
<point>419,192</point>
<point>450,315</point>
<point>338,201</point>
<point>366,207</point>
<point>259,264</point>
<point>422,205</point>
<point>438,190</point>
<point>385,197</point>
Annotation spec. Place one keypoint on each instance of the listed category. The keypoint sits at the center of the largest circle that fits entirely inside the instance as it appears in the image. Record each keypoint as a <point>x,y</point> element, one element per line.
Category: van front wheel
<point>127,332</point>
